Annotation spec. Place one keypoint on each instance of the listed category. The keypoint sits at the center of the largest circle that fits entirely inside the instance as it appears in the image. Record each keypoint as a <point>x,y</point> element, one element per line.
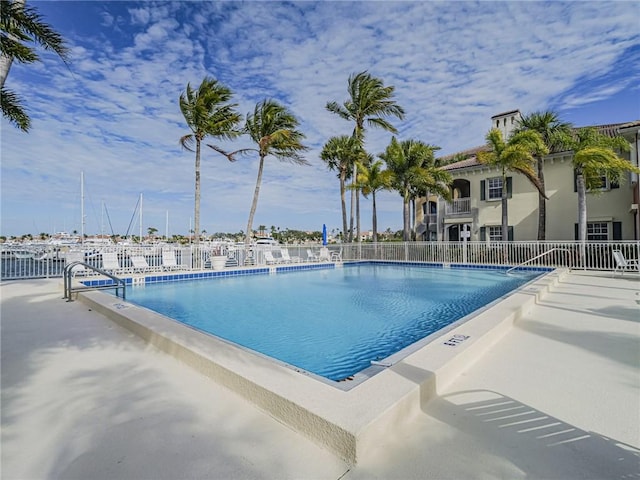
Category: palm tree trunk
<point>358,235</point>
<point>353,203</point>
<point>412,218</point>
<point>505,213</point>
<point>343,204</point>
<point>5,66</point>
<point>406,235</point>
<point>196,213</point>
<point>5,62</point>
<point>254,204</point>
<point>374,218</point>
<point>582,215</point>
<point>196,209</point>
<point>542,205</point>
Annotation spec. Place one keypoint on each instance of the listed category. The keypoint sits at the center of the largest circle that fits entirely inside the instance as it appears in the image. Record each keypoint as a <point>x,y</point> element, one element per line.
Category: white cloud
<point>115,115</point>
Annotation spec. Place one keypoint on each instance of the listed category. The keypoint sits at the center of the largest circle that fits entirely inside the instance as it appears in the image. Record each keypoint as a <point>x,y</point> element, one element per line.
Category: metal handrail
<point>68,274</point>
<point>541,255</point>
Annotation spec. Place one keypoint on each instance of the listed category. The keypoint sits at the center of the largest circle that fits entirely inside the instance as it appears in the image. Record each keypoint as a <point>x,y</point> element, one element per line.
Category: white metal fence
<point>49,261</point>
<point>591,255</point>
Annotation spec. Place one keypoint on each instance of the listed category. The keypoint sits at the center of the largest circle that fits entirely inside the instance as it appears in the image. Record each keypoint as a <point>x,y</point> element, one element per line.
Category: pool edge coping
<point>345,422</point>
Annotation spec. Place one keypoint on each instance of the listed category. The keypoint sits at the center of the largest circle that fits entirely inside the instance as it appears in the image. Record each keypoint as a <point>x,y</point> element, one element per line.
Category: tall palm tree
<point>555,135</point>
<point>275,132</point>
<point>207,113</point>
<point>371,179</point>
<point>19,26</point>
<point>412,166</point>
<point>514,155</point>
<point>370,102</point>
<point>340,153</point>
<point>594,157</point>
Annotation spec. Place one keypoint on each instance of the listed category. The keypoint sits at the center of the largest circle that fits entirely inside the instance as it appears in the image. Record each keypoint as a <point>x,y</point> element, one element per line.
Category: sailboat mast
<point>82,208</point>
<point>140,218</point>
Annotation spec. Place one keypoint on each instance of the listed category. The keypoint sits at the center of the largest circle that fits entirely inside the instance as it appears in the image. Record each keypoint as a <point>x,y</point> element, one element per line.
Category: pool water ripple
<point>330,322</point>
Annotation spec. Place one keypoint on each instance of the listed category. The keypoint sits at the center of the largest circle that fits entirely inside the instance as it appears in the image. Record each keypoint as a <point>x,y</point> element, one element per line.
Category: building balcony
<point>459,206</point>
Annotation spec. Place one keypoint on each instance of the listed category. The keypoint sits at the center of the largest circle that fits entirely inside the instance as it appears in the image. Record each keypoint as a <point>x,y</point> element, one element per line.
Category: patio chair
<point>76,256</point>
<point>140,264</point>
<point>111,264</point>
<point>312,257</point>
<point>336,256</point>
<point>269,258</point>
<point>324,255</point>
<point>287,258</point>
<point>623,264</point>
<point>169,261</point>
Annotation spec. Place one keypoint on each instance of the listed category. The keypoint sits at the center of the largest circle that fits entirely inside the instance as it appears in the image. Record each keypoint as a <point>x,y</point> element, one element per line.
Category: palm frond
<point>231,156</point>
<point>188,142</point>
<point>13,111</point>
<point>25,24</point>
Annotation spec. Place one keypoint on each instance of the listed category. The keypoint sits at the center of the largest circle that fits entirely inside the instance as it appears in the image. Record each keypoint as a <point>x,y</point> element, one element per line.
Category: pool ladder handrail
<point>541,255</point>
<point>68,274</point>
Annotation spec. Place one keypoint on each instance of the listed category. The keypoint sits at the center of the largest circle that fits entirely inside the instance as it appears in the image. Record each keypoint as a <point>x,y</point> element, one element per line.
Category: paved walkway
<point>558,397</point>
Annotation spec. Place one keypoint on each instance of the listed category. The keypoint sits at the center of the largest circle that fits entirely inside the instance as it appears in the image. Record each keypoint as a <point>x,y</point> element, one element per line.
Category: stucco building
<point>475,212</point>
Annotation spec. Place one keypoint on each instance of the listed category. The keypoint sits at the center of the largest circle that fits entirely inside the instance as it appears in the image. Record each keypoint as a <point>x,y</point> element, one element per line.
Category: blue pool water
<point>330,322</point>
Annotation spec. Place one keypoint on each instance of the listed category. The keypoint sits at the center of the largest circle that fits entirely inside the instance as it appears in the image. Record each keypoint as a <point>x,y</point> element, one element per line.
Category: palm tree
<point>370,102</point>
<point>19,26</point>
<point>371,179</point>
<point>514,155</point>
<point>595,157</point>
<point>275,131</point>
<point>412,166</point>
<point>555,135</point>
<point>340,153</point>
<point>207,113</point>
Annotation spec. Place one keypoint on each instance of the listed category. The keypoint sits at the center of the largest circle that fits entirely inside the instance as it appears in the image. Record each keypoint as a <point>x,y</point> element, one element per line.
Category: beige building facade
<point>475,211</point>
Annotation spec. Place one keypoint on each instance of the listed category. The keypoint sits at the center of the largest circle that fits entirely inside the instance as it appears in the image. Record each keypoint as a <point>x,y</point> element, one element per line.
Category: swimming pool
<point>333,322</point>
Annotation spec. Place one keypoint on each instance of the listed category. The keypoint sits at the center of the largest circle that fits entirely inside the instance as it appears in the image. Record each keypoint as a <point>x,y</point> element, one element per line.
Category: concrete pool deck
<point>556,397</point>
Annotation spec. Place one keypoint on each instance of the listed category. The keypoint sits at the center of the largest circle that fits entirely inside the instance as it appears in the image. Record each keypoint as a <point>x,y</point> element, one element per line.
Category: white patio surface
<point>557,398</point>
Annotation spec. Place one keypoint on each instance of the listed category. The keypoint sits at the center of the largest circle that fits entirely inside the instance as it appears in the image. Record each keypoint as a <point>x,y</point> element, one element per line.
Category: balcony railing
<point>459,206</point>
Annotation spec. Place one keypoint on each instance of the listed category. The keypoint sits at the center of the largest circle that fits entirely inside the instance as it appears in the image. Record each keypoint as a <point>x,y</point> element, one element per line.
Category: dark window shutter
<point>575,225</point>
<point>483,188</point>
<point>510,234</point>
<point>575,183</point>
<point>617,230</point>
<point>509,187</point>
<point>483,234</point>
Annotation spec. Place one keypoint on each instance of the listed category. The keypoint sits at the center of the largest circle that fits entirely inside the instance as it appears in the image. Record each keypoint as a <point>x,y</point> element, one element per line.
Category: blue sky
<point>113,112</point>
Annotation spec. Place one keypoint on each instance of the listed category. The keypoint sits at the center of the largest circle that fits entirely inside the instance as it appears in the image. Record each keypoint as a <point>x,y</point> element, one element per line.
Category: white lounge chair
<point>169,261</point>
<point>623,264</point>
<point>336,256</point>
<point>110,263</point>
<point>140,264</point>
<point>269,258</point>
<point>76,256</point>
<point>312,257</point>
<point>286,258</point>
<point>324,255</point>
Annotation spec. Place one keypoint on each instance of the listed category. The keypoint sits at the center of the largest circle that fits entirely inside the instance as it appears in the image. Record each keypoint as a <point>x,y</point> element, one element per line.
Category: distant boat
<point>24,254</point>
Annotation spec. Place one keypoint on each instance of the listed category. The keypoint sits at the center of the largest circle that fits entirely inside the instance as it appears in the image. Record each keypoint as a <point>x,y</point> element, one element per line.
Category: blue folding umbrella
<point>324,234</point>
